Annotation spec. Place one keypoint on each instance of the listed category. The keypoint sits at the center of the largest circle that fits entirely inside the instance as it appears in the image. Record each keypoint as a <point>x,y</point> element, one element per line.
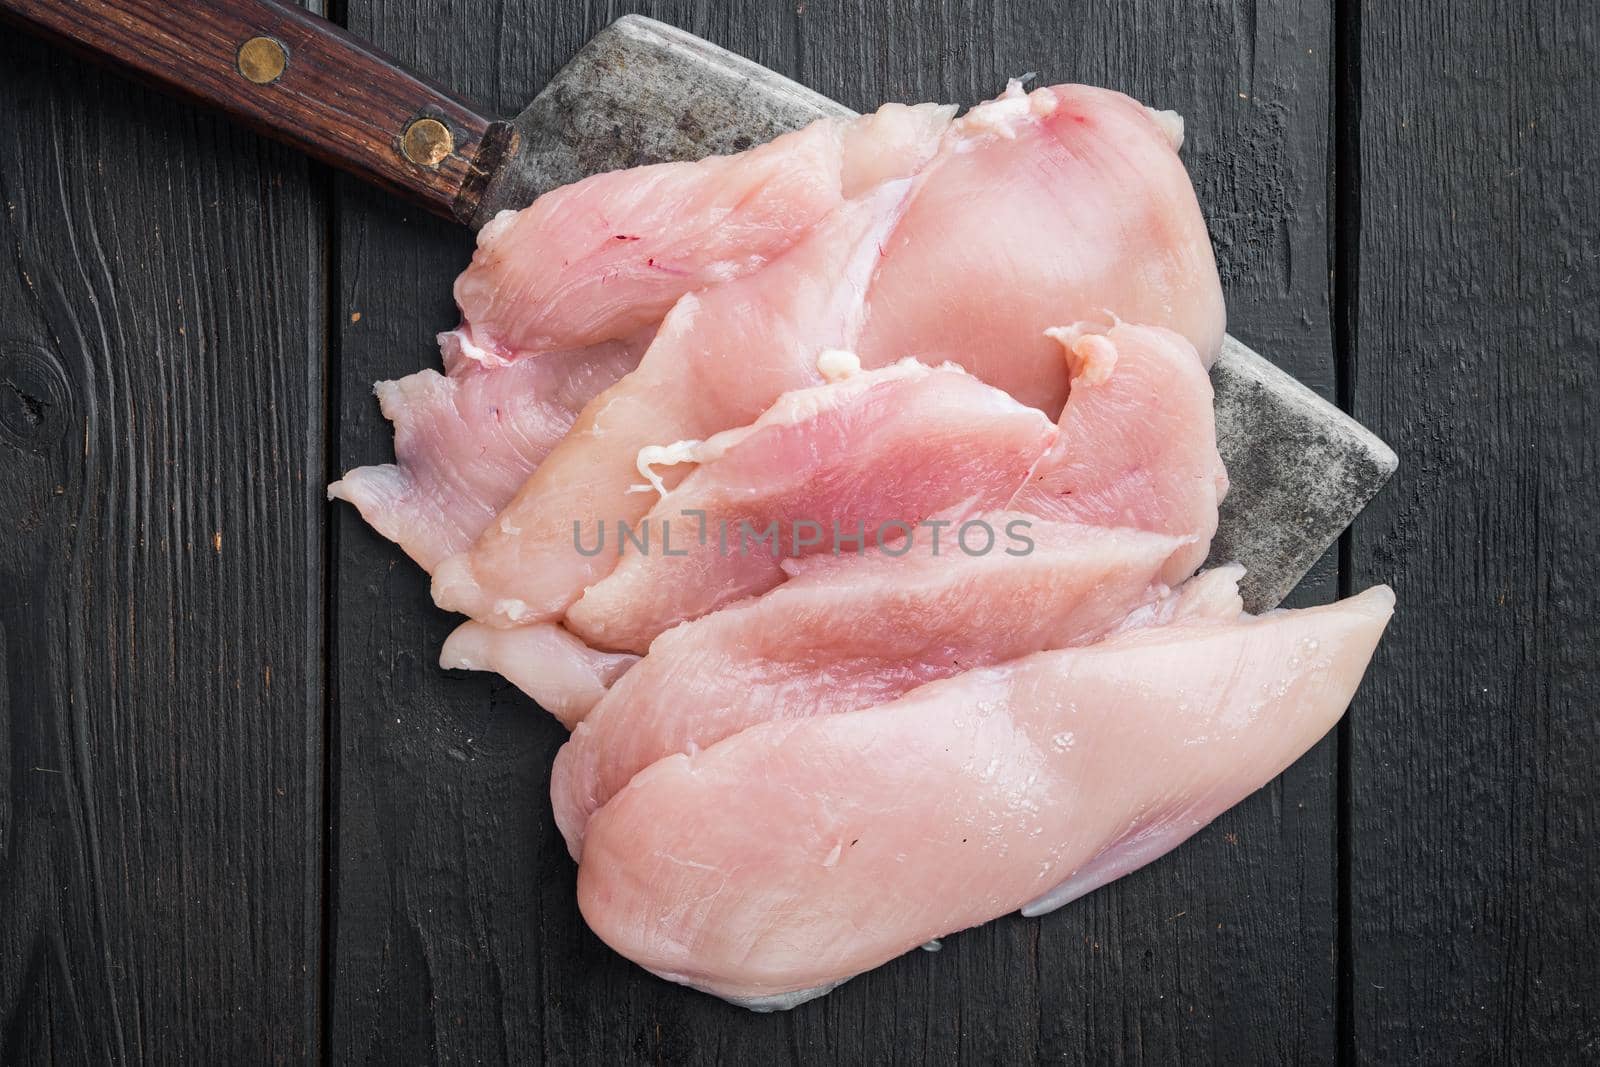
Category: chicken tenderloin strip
<point>1136,448</point>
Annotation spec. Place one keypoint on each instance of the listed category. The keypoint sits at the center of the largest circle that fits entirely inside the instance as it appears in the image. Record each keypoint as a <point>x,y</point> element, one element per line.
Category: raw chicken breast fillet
<point>605,257</point>
<point>854,631</point>
<point>1044,208</point>
<point>793,855</point>
<point>870,455</point>
<point>1037,209</point>
<point>1138,442</point>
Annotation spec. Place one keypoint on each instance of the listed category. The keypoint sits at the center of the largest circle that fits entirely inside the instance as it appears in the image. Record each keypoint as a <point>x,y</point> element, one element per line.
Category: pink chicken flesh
<point>1139,416</point>
<point>605,257</point>
<point>860,836</point>
<point>1136,449</point>
<point>789,767</point>
<point>720,358</point>
<point>581,280</point>
<point>852,632</point>
<point>465,441</point>
<point>1138,441</point>
<point>1035,209</point>
<point>869,456</point>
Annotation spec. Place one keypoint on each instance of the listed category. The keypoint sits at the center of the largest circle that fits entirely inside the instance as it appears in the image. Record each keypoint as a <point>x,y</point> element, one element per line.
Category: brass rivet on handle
<point>262,60</point>
<point>426,142</point>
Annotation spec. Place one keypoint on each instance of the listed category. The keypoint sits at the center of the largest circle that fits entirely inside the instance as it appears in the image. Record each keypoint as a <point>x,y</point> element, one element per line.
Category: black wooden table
<point>243,817</point>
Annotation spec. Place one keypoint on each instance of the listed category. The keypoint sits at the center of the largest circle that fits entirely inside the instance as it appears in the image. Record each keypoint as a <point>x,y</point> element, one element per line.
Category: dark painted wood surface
<point>1475,830</point>
<point>357,862</point>
<point>161,607</point>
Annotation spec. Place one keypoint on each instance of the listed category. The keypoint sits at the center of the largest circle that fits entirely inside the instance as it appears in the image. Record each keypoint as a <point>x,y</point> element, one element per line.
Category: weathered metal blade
<point>644,92</point>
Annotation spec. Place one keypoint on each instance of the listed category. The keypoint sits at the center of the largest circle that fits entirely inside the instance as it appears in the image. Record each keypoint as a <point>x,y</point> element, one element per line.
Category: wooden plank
<point>457,929</point>
<point>444,843</point>
<point>1476,827</point>
<point>161,413</point>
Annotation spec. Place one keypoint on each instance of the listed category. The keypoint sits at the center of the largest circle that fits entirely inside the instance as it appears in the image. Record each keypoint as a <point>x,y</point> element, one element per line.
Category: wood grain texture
<point>457,929</point>
<point>336,99</point>
<point>160,571</point>
<point>1476,827</point>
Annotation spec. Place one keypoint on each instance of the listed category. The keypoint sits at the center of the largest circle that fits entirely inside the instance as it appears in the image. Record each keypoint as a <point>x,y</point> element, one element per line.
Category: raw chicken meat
<point>1043,208</point>
<point>605,257</point>
<point>581,279</point>
<point>798,853</point>
<point>1139,450</point>
<point>465,441</point>
<point>1138,443</point>
<point>720,359</point>
<point>1212,594</point>
<point>563,674</point>
<point>1037,209</point>
<point>871,455</point>
<point>854,631</point>
<point>824,760</point>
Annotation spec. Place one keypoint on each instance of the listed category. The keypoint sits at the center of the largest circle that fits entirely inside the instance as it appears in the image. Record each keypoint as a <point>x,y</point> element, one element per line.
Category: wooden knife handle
<point>296,77</point>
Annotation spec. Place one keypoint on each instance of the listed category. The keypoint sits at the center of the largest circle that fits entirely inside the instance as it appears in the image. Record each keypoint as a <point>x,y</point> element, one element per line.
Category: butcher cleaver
<point>644,92</point>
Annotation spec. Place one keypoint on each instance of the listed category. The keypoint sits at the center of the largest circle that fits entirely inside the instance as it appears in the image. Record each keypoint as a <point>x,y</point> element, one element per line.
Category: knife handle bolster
<point>497,146</point>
